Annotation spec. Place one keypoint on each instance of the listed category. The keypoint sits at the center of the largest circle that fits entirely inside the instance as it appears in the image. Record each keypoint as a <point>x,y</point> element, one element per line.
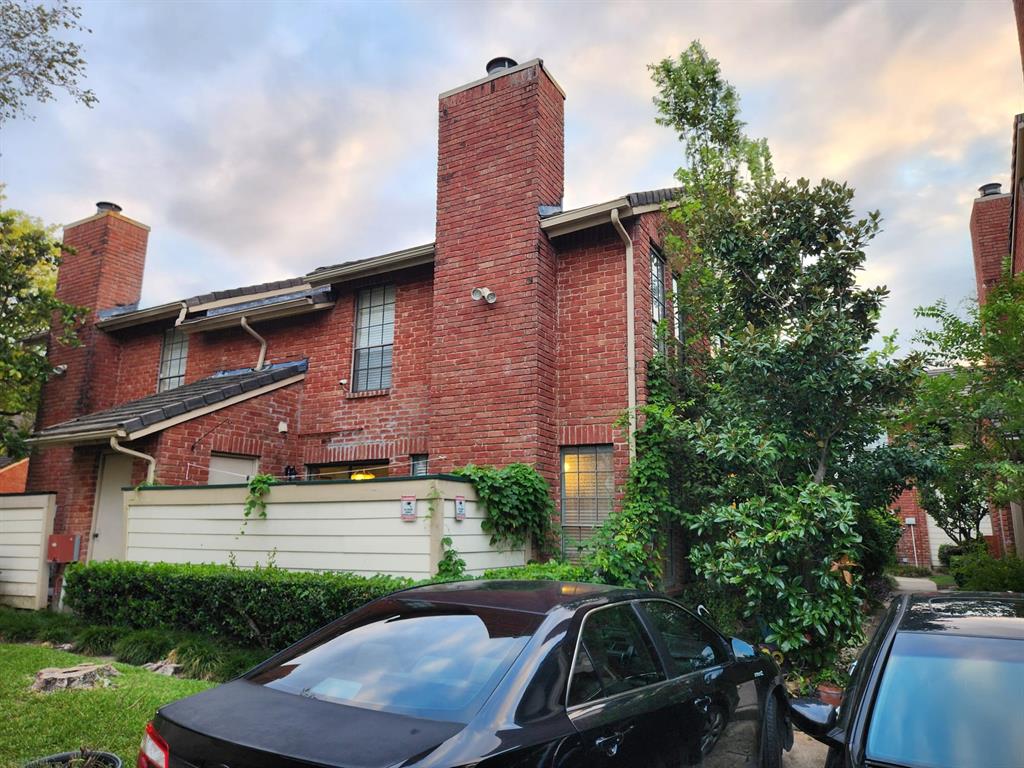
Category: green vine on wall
<point>517,502</point>
<point>259,486</point>
<point>450,566</point>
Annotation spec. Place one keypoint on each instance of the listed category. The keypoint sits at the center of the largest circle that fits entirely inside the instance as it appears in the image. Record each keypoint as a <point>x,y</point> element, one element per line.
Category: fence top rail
<point>299,483</point>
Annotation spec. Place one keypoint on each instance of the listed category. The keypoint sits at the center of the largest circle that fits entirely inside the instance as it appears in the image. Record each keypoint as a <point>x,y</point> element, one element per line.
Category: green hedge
<point>268,607</point>
<point>550,571</point>
<point>978,571</point>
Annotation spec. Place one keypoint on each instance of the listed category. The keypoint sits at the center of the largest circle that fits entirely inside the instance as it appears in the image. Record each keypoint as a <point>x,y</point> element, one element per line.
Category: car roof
<point>538,597</point>
<point>976,614</point>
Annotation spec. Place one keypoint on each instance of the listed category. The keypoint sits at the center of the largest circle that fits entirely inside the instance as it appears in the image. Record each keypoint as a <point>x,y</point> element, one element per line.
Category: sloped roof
<point>151,414</point>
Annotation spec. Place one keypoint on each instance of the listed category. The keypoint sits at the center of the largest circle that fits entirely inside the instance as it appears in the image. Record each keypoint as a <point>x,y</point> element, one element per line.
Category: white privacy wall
<point>355,527</point>
<point>26,522</point>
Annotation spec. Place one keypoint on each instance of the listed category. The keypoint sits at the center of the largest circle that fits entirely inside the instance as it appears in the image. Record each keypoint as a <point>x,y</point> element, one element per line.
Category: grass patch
<point>143,646</point>
<point>110,719</point>
<point>943,580</point>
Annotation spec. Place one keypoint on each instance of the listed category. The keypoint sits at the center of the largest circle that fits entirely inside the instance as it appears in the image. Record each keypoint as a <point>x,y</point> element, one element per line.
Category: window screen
<point>658,301</point>
<point>375,335</point>
<point>173,357</point>
<point>588,493</point>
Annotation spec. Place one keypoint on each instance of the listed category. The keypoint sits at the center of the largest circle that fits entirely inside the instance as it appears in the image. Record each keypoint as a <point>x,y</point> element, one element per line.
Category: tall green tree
<point>972,406</point>
<point>29,257</point>
<point>775,401</point>
<point>36,58</point>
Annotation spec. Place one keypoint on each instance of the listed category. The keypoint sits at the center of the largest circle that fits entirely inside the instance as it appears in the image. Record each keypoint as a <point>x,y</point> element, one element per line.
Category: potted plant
<point>83,758</point>
<point>829,686</point>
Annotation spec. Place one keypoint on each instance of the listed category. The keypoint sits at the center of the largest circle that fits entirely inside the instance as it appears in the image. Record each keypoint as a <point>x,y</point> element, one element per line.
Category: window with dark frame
<point>348,470</point>
<point>588,493</point>
<point>173,357</point>
<point>418,464</point>
<point>658,299</point>
<point>678,306</point>
<point>374,339</point>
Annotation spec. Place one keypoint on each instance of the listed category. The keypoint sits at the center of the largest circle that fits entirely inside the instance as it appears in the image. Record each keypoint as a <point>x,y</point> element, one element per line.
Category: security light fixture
<point>484,293</point>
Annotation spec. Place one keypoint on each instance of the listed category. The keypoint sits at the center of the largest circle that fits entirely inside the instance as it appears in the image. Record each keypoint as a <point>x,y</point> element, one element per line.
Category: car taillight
<point>153,752</point>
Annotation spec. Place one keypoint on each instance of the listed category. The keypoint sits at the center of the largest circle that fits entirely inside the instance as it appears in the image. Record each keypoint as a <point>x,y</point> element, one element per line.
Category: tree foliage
<point>773,403</point>
<point>971,407</point>
<point>35,59</point>
<point>29,257</point>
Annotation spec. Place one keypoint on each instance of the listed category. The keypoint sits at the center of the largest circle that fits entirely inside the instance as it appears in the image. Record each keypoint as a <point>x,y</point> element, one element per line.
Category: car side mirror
<point>742,649</point>
<point>818,720</point>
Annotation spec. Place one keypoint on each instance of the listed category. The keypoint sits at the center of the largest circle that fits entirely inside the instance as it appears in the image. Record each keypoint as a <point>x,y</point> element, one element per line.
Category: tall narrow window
<point>588,493</point>
<point>375,336</point>
<point>658,302</point>
<point>173,357</point>
<point>677,304</point>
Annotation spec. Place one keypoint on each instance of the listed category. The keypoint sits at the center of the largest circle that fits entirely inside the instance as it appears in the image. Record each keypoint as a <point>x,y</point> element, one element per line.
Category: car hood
<point>243,724</point>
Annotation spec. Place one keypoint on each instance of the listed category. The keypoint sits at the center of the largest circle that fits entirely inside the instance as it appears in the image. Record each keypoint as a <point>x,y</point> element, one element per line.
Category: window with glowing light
<point>588,493</point>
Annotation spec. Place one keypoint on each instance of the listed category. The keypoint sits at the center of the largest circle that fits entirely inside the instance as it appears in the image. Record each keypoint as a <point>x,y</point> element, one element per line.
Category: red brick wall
<point>990,239</point>
<point>500,156</point>
<point>13,477</point>
<point>913,546</point>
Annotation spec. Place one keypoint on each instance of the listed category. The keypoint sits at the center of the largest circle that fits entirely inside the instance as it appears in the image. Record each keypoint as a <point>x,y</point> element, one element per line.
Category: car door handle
<point>703,703</point>
<point>610,744</point>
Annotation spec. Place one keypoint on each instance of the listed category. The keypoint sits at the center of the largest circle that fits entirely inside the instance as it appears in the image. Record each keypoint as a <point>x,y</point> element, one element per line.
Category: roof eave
<point>595,216</point>
<point>167,311</point>
<point>292,308</point>
<point>80,438</point>
<point>389,262</point>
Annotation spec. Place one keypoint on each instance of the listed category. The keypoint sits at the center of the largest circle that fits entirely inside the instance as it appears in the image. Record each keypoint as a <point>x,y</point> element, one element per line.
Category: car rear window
<point>950,700</point>
<point>439,665</point>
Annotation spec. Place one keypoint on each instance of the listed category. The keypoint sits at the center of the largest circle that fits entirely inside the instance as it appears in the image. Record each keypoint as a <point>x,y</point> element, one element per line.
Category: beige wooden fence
<point>348,526</point>
<point>26,522</point>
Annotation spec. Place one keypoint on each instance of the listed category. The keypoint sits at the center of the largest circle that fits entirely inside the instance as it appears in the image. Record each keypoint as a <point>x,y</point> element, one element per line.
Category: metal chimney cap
<point>104,205</point>
<point>499,63</point>
<point>992,188</point>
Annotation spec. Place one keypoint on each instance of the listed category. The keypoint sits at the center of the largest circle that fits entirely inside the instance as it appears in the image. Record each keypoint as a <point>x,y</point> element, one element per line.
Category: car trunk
<point>245,725</point>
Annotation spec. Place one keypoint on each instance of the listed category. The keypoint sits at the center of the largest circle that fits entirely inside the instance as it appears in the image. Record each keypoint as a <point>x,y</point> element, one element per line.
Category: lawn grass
<point>110,719</point>
<point>943,580</point>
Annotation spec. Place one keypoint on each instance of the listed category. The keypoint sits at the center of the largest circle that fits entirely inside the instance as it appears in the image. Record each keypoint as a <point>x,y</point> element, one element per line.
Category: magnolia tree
<point>770,408</point>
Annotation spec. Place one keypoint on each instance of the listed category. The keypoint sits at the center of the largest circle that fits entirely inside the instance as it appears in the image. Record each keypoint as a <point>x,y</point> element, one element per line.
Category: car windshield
<point>949,700</point>
<point>434,665</point>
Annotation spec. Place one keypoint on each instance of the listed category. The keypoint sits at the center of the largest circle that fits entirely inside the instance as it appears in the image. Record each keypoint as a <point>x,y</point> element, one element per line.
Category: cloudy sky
<point>260,140</point>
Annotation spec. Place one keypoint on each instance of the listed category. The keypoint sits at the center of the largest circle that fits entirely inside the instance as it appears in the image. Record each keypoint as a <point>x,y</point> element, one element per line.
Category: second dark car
<point>491,675</point>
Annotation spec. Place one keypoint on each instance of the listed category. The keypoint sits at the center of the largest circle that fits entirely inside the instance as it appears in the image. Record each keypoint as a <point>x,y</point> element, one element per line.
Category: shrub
<point>268,607</point>
<point>18,626</point>
<point>98,641</point>
<point>912,571</point>
<point>880,531</point>
<point>725,605</point>
<point>979,571</point>
<point>143,646</point>
<point>237,662</point>
<point>555,570</point>
<point>57,628</point>
<point>949,551</point>
<point>199,658</point>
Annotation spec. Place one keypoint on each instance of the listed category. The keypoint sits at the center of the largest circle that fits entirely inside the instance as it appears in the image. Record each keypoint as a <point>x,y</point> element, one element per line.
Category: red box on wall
<point>63,547</point>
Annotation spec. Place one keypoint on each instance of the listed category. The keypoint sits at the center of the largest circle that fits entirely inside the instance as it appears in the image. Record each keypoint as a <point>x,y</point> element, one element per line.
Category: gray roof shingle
<point>138,414</point>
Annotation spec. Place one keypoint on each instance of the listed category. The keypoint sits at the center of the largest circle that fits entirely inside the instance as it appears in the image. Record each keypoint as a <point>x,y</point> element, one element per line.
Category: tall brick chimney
<point>990,235</point>
<point>500,156</point>
<point>104,271</point>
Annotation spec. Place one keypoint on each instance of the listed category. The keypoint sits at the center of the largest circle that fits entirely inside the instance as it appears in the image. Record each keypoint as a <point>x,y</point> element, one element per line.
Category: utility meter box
<point>63,547</point>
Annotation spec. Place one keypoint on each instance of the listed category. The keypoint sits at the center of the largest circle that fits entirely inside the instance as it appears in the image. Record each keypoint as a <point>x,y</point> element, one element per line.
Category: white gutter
<point>630,332</point>
<point>181,314</point>
<point>263,344</point>
<point>150,470</point>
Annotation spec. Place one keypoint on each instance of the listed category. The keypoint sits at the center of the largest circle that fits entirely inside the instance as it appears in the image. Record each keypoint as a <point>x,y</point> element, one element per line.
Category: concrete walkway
<point>908,586</point>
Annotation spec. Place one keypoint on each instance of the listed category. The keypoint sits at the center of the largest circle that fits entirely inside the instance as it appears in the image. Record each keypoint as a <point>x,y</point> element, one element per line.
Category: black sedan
<point>491,675</point>
<point>940,685</point>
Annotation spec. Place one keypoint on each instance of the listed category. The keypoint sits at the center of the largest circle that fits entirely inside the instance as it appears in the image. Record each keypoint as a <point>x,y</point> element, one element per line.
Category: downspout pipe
<point>150,470</point>
<point>263,344</point>
<point>630,332</point>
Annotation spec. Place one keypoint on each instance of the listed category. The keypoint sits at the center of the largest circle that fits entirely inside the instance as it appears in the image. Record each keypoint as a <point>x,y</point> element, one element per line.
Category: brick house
<point>997,232</point>
<point>520,334</point>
